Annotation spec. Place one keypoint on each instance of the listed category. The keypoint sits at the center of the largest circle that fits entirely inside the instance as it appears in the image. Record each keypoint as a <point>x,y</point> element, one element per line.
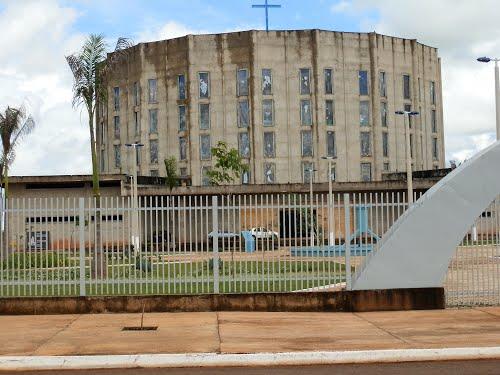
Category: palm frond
<point>15,124</point>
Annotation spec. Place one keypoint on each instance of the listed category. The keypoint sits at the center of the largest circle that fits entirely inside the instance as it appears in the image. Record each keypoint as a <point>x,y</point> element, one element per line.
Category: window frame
<point>263,81</point>
<point>200,117</point>
<point>116,127</point>
<point>267,155</point>
<point>209,155</point>
<point>328,79</point>
<point>151,143</point>
<point>240,144</point>
<point>361,80</point>
<point>406,93</point>
<point>207,96</point>
<point>117,156</point>
<point>433,92</point>
<point>302,122</point>
<point>369,170</point>
<point>238,83</point>
<point>382,79</point>
<point>365,136</point>
<point>361,104</point>
<point>385,144</point>
<point>434,121</point>
<point>181,118</point>
<point>116,98</point>
<point>435,149</point>
<point>301,81</point>
<point>137,123</point>
<point>136,94</point>
<point>328,134</point>
<point>327,102</point>
<point>310,164</point>
<point>268,124</point>
<point>183,141</point>
<point>384,114</point>
<point>303,133</point>
<point>152,99</point>
<point>179,96</point>
<point>151,111</point>
<point>272,168</point>
<point>239,111</point>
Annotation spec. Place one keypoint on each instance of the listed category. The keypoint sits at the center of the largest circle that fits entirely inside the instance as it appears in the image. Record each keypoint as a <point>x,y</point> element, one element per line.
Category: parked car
<point>260,233</point>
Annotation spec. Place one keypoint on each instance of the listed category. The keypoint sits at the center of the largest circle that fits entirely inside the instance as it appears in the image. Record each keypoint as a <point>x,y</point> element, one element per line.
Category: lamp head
<point>484,59</point>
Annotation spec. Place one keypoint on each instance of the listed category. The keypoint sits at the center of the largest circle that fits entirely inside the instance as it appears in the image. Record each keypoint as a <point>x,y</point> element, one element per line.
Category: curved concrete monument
<point>416,251</point>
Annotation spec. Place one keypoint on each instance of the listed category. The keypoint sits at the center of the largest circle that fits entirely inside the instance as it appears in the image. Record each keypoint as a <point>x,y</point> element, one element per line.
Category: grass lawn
<point>126,277</point>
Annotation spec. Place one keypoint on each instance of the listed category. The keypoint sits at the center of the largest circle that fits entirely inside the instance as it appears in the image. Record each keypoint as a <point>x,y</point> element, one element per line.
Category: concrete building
<point>284,99</point>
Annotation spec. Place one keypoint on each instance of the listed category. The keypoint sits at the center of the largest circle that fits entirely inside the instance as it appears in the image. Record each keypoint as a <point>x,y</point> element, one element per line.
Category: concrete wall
<point>285,53</point>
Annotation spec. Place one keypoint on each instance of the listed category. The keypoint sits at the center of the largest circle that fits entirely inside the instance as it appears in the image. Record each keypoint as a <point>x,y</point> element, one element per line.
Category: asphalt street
<point>482,367</point>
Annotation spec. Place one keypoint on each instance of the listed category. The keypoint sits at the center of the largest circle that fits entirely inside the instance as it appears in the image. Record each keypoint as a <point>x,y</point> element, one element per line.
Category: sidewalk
<point>248,332</point>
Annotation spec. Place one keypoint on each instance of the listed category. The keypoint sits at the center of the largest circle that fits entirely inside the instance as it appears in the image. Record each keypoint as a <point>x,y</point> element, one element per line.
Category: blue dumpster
<point>249,241</point>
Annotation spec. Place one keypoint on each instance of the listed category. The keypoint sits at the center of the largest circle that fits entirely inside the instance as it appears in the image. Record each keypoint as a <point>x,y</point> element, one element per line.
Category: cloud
<point>33,72</point>
<point>462,30</point>
<point>168,30</point>
<point>340,7</point>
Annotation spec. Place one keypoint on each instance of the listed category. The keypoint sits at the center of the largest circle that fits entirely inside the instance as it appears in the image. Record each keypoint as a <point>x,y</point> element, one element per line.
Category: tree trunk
<point>100,269</point>
<point>5,235</point>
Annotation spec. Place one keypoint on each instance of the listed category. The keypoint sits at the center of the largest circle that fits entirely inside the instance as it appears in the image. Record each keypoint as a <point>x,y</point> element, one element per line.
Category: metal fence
<point>223,244</point>
<point>189,244</point>
<point>473,277</point>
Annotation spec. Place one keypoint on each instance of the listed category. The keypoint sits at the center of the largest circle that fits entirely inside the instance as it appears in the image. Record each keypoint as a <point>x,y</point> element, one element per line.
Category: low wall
<point>347,301</point>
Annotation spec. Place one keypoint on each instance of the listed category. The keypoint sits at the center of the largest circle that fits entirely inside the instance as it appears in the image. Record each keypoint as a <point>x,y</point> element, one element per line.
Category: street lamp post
<point>330,200</point>
<point>409,177</point>
<point>497,90</point>
<point>134,193</point>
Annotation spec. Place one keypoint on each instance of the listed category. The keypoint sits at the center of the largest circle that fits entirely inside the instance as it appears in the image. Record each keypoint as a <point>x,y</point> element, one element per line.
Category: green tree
<point>171,175</point>
<point>171,180</point>
<point>228,166</point>
<point>90,67</point>
<point>15,123</point>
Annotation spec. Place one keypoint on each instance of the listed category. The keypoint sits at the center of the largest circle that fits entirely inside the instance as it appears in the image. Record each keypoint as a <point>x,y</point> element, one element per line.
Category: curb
<point>27,363</point>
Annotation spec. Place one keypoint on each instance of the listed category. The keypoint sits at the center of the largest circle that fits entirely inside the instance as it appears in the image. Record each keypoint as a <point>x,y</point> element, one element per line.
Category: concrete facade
<point>212,107</point>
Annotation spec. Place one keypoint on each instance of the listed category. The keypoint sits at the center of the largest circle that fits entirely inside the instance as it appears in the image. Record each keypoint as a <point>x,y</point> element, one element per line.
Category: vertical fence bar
<point>347,224</point>
<point>215,239</point>
<point>81,222</point>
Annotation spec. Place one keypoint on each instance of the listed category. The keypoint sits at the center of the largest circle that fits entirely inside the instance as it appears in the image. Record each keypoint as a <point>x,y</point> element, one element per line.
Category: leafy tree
<point>228,167</point>
<point>15,123</point>
<point>90,67</point>
<point>171,175</point>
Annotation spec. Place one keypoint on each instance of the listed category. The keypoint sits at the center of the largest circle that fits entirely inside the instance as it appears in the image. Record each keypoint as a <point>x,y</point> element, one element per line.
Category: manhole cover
<point>145,328</point>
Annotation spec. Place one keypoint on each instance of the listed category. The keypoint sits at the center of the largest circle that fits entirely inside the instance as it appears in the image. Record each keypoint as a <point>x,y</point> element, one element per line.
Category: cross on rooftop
<point>266,6</point>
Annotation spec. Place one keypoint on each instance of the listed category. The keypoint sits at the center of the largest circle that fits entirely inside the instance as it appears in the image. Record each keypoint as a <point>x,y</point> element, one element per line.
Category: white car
<point>263,233</point>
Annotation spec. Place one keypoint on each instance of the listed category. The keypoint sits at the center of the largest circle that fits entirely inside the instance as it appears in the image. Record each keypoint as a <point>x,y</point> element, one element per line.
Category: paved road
<point>485,367</point>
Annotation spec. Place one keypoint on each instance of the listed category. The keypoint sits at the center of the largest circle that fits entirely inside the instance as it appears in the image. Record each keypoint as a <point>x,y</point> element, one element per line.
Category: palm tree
<point>15,123</point>
<point>90,68</point>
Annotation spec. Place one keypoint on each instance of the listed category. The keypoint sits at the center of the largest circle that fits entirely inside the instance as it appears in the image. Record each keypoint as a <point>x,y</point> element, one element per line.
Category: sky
<point>38,34</point>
